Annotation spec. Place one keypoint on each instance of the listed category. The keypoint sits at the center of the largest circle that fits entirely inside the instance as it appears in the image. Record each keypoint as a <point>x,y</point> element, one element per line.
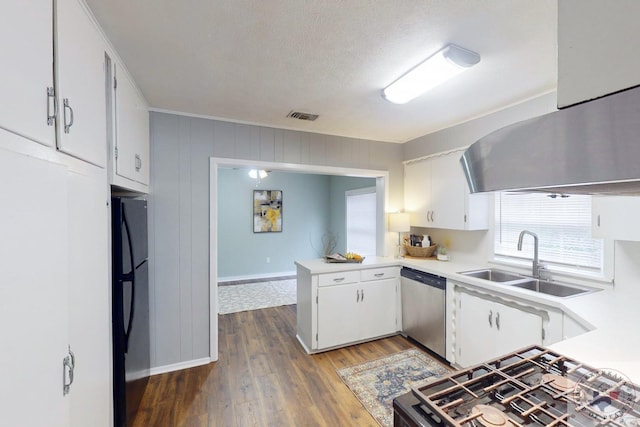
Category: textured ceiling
<point>255,60</point>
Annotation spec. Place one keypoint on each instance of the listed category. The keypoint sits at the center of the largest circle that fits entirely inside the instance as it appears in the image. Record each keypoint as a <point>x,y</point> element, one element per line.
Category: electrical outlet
<point>268,260</point>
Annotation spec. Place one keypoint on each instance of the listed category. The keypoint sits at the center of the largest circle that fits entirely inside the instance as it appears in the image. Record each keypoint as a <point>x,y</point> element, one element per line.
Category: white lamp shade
<point>399,222</point>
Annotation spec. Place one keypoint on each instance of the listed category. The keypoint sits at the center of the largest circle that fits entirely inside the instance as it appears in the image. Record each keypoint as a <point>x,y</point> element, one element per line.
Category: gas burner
<point>559,383</point>
<point>489,416</point>
<point>533,386</point>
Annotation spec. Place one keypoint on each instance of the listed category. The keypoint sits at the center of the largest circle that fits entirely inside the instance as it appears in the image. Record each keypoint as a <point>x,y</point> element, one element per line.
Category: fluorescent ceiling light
<point>445,64</point>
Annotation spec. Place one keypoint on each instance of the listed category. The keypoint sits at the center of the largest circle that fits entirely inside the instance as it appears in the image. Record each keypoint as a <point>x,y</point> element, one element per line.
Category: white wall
<point>179,211</point>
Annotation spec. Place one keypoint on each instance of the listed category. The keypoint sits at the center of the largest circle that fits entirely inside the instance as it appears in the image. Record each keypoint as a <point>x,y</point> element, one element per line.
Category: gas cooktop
<point>532,386</point>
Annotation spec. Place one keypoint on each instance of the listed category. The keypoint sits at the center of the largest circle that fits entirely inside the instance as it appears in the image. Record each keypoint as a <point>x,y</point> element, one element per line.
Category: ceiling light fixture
<point>255,173</point>
<point>445,64</point>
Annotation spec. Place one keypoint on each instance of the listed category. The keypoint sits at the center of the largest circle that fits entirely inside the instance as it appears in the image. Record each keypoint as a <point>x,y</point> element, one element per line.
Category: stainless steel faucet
<point>536,265</point>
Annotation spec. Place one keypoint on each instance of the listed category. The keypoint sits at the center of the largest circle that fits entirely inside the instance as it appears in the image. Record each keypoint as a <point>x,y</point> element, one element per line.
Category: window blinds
<point>563,226</point>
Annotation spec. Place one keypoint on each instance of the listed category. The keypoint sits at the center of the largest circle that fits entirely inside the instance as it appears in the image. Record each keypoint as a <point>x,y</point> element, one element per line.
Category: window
<point>361,221</point>
<point>563,226</point>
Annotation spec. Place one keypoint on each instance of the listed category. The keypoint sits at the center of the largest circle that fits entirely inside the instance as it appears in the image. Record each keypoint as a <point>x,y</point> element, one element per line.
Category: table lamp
<point>399,223</point>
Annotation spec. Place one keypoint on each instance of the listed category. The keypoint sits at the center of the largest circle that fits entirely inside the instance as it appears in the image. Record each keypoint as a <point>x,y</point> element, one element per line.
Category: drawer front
<point>379,273</point>
<point>340,278</point>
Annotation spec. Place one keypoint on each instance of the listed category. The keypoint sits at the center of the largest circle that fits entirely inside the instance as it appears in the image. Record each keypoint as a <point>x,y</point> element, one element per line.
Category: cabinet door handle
<point>361,295</point>
<point>138,163</point>
<point>432,215</point>
<point>490,318</point>
<point>51,105</point>
<point>498,320</point>
<point>357,295</point>
<point>68,365</point>
<point>66,107</point>
<point>598,220</point>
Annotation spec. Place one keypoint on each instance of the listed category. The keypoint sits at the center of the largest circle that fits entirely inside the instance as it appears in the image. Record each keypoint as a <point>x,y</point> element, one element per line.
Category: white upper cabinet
<point>437,196</point>
<point>80,75</point>
<point>417,192</point>
<point>597,45</point>
<point>615,217</point>
<point>132,131</point>
<point>27,69</point>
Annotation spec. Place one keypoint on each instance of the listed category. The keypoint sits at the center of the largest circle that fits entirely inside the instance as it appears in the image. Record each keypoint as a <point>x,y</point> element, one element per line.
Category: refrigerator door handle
<point>132,276</point>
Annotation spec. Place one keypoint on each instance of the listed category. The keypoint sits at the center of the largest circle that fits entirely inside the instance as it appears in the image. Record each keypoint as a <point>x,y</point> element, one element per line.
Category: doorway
<point>381,196</point>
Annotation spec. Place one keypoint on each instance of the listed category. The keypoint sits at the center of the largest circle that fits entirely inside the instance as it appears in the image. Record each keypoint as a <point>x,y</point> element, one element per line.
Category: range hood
<point>590,148</point>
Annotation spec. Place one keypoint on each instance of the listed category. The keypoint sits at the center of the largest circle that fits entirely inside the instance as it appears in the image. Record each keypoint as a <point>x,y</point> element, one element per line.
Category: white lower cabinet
<point>339,308</point>
<point>486,329</point>
<point>356,312</point>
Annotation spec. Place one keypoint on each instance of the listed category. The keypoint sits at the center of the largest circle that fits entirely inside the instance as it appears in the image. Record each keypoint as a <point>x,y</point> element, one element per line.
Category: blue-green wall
<point>312,206</point>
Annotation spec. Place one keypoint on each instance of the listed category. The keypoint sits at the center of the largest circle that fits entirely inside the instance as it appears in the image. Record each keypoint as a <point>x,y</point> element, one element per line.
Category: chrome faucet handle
<point>543,272</point>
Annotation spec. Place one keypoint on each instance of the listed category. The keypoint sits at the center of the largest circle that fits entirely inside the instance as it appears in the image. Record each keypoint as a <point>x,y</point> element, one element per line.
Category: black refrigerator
<point>130,306</point>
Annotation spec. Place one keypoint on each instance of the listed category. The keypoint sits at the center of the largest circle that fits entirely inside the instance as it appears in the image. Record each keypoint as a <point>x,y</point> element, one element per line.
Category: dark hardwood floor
<point>263,378</point>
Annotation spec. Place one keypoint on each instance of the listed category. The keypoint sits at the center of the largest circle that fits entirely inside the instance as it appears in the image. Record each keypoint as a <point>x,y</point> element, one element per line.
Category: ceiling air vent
<point>302,116</point>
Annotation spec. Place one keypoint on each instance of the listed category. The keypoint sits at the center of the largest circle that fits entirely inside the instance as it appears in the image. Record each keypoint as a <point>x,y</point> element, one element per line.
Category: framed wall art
<point>267,211</point>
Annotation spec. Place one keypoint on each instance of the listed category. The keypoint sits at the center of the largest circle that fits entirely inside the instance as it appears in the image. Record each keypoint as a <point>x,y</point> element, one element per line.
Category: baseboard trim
<point>179,366</point>
<point>255,277</point>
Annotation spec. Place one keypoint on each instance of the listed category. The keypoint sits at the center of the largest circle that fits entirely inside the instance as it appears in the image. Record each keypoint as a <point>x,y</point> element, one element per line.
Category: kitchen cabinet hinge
<point>115,151</point>
<point>465,218</point>
<point>316,299</point>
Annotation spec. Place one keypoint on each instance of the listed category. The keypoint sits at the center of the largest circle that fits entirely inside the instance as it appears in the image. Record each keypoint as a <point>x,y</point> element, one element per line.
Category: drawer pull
<point>338,279</point>
<point>379,274</point>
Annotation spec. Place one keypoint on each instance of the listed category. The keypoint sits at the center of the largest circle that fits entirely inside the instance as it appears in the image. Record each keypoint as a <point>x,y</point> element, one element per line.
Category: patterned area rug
<point>252,296</point>
<point>376,383</point>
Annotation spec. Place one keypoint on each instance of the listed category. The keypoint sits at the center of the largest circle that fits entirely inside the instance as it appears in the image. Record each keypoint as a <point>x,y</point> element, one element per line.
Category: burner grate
<point>533,386</point>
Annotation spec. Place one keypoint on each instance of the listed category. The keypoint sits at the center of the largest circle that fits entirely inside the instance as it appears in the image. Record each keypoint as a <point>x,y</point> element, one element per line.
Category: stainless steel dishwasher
<point>423,308</point>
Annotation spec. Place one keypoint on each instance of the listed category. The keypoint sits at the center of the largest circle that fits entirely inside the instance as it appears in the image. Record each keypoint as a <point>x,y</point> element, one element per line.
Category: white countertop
<point>614,317</point>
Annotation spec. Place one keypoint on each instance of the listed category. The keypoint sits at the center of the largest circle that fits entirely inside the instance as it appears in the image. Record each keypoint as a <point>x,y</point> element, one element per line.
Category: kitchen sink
<point>549,288</point>
<point>493,275</point>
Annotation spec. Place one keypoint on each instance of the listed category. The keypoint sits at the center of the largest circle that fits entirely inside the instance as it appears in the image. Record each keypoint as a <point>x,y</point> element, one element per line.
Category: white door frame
<point>382,179</point>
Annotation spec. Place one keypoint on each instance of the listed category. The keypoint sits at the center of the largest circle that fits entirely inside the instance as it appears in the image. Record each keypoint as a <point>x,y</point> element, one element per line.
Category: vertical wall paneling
<point>267,144</point>
<point>278,145</point>
<point>166,213</point>
<point>224,133</point>
<point>184,206</point>
<point>202,148</point>
<point>317,148</point>
<point>291,147</point>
